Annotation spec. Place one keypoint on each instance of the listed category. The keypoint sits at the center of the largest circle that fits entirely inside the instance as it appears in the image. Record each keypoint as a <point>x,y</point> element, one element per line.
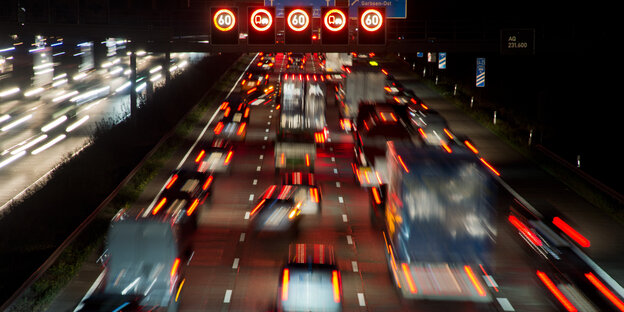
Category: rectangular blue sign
<point>442,60</point>
<point>315,4</point>
<point>394,8</point>
<point>480,72</point>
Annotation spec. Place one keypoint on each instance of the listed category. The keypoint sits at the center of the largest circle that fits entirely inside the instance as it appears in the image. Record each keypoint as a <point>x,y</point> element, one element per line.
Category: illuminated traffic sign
<point>224,26</point>
<point>261,28</point>
<point>334,25</point>
<point>372,25</point>
<point>298,28</point>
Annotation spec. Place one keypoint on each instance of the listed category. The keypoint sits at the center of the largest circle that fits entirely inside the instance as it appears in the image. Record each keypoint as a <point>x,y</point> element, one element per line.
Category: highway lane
<point>231,270</point>
<point>20,168</point>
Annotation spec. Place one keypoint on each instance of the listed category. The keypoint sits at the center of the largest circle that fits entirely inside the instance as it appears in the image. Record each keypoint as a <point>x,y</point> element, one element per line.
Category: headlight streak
<point>16,123</point>
<point>76,124</point>
<point>48,145</point>
<point>30,144</point>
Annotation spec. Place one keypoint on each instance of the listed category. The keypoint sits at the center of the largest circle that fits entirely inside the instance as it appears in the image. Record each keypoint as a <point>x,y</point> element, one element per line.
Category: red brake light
<point>218,128</point>
<point>251,90</point>
<point>241,129</point>
<point>489,166</point>
<point>314,194</point>
<point>471,147</point>
<point>376,196</point>
<point>555,291</point>
<point>246,112</point>
<point>227,112</point>
<point>474,281</point>
<point>207,183</point>
<point>200,155</point>
<point>228,158</point>
<point>408,277</point>
<point>525,230</point>
<point>336,285</point>
<point>171,181</point>
<point>566,228</point>
<point>605,291</point>
<point>192,207</point>
<point>402,163</point>
<point>160,204</point>
<point>285,279</point>
<point>174,267</point>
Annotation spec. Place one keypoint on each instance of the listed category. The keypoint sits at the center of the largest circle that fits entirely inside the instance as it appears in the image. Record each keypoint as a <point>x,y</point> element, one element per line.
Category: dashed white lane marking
<point>361,300</point>
<point>333,159</point>
<point>247,215</point>
<point>261,157</point>
<point>255,181</point>
<point>258,168</point>
<point>270,116</point>
<point>328,139</point>
<point>242,237</point>
<point>266,130</point>
<point>335,171</point>
<point>331,149</point>
<point>505,304</point>
<point>337,184</point>
<point>354,266</point>
<point>270,111</point>
<point>251,197</point>
<point>340,200</point>
<point>344,218</point>
<point>228,296</point>
<point>349,240</point>
<point>266,137</point>
<point>489,280</point>
<point>235,264</point>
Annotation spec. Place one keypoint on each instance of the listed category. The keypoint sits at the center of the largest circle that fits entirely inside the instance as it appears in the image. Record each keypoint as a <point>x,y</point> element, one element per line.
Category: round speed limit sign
<point>224,20</point>
<point>371,20</point>
<point>298,20</point>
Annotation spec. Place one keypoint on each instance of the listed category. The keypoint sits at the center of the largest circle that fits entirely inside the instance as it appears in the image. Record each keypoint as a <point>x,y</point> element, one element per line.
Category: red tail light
<point>474,281</point>
<point>207,183</point>
<point>336,285</point>
<point>251,90</point>
<point>228,158</point>
<point>402,163</point>
<point>384,71</point>
<point>200,156</point>
<point>174,267</point>
<point>285,279</point>
<point>448,133</point>
<point>171,181</point>
<point>424,106</point>
<point>218,128</point>
<point>160,204</point>
<point>225,104</point>
<point>246,113</point>
<point>277,107</point>
<point>376,196</point>
<point>270,191</point>
<point>605,291</point>
<point>241,128</point>
<point>489,166</point>
<point>555,291</point>
<point>422,133</point>
<point>408,277</point>
<point>257,206</point>
<point>446,147</point>
<point>192,207</point>
<point>572,233</point>
<point>314,194</point>
<point>525,230</point>
<point>307,158</point>
<point>471,147</point>
<point>227,112</point>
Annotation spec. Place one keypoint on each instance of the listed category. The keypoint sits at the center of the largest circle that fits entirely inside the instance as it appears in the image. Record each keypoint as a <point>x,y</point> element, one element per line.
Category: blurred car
<point>306,191</point>
<point>262,96</point>
<point>265,63</point>
<point>277,211</point>
<point>311,280</point>
<point>233,124</point>
<point>431,126</point>
<point>217,158</point>
<point>256,78</point>
<point>185,192</point>
<point>296,60</point>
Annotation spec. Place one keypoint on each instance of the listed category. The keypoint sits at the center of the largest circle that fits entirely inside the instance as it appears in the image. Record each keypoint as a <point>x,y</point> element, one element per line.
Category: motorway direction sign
<point>480,79</point>
<point>394,8</point>
<point>315,4</point>
<point>517,42</point>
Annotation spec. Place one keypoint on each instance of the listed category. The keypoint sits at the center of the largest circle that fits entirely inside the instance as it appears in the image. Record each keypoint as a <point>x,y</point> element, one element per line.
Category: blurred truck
<point>439,223</point>
<point>363,84</point>
<point>142,266</point>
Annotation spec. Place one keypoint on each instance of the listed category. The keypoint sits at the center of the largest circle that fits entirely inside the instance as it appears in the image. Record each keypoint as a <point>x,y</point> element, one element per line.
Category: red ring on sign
<point>342,15</point>
<point>255,13</point>
<point>375,12</point>
<point>228,12</point>
<point>300,11</point>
